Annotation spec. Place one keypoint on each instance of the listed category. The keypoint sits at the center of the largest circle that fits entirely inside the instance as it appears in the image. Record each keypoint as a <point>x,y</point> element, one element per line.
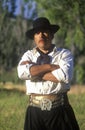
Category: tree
<point>12,34</point>
<point>13,42</point>
<point>70,15</point>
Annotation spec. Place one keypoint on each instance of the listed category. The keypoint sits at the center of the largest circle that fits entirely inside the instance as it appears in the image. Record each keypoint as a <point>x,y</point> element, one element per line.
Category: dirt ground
<point>76,89</point>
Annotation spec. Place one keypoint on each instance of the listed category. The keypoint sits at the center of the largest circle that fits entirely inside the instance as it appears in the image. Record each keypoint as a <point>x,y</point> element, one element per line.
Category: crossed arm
<point>43,71</point>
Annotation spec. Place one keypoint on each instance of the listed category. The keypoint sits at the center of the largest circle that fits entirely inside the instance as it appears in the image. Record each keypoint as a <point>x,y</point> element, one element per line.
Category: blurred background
<point>15,18</point>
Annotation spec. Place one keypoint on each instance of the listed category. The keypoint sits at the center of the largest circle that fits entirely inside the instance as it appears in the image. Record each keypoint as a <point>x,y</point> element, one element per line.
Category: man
<point>48,72</point>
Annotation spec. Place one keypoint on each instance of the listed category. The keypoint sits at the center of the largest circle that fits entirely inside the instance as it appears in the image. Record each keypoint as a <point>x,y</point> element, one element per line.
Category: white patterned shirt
<point>61,57</point>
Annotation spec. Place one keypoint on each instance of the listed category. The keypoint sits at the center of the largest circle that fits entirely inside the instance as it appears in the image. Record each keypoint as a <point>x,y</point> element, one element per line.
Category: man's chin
<point>42,44</point>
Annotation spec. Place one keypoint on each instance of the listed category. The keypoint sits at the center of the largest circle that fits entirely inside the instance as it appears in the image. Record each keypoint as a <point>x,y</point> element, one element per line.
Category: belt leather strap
<point>48,102</point>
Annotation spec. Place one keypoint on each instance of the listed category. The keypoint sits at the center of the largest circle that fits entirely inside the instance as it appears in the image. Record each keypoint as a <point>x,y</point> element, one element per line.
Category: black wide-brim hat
<point>41,24</point>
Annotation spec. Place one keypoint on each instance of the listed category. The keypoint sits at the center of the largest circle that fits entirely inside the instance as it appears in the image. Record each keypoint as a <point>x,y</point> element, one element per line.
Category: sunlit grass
<point>12,109</point>
<point>78,104</point>
<point>13,104</point>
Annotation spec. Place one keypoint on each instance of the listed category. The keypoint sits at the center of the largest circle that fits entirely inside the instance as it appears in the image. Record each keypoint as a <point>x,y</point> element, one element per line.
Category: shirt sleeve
<point>23,70</point>
<point>65,72</point>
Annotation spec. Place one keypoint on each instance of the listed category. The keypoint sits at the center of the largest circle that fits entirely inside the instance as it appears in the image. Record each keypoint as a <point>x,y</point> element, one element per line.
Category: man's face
<point>43,39</point>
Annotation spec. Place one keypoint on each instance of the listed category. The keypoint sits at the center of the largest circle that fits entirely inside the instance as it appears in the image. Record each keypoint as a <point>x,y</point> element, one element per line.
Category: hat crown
<point>41,22</point>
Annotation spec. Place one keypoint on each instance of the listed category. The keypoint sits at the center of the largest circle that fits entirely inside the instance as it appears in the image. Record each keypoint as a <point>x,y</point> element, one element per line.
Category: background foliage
<point>69,14</point>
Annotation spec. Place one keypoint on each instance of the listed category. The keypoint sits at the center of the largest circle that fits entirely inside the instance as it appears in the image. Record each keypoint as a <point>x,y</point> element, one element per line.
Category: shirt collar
<point>35,50</point>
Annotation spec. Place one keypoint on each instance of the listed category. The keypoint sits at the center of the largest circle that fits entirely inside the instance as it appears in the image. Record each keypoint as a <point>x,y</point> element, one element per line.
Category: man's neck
<point>46,51</point>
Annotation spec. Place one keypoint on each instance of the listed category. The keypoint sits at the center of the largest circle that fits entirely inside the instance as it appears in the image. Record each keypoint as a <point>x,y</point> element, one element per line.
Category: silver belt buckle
<point>46,104</point>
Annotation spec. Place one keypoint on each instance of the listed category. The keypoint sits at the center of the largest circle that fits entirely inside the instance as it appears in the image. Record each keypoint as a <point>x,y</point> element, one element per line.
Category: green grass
<point>78,104</point>
<point>13,104</point>
<point>12,109</point>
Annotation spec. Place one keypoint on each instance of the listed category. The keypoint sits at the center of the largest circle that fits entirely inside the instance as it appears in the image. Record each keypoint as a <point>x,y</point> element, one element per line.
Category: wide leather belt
<point>48,102</point>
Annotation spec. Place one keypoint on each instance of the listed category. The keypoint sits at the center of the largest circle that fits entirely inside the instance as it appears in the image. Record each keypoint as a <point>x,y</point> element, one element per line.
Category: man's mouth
<point>42,40</point>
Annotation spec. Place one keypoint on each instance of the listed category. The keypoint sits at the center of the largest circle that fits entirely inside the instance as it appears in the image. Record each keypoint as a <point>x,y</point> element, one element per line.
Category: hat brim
<point>53,28</point>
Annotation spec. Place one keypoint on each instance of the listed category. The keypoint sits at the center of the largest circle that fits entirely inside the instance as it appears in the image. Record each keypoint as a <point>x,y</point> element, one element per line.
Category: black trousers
<point>59,118</point>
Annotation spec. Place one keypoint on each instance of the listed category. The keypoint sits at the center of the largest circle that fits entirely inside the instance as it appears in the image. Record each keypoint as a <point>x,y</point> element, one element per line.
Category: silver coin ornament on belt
<point>46,104</point>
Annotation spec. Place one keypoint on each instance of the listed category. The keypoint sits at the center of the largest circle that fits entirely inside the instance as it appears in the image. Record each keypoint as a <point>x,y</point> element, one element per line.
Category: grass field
<point>13,103</point>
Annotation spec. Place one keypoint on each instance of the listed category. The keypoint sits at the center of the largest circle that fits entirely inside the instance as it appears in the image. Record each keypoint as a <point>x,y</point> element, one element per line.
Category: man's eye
<point>38,32</point>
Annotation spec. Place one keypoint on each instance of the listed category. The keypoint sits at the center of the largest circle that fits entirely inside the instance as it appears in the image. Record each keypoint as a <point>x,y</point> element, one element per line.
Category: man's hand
<point>54,67</point>
<point>36,78</point>
<point>27,62</point>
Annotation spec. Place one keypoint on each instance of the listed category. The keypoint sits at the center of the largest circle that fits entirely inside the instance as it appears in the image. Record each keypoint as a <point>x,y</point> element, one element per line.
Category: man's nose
<point>41,34</point>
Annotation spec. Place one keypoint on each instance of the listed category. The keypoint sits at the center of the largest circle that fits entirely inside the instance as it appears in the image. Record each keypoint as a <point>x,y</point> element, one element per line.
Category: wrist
<point>54,67</point>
